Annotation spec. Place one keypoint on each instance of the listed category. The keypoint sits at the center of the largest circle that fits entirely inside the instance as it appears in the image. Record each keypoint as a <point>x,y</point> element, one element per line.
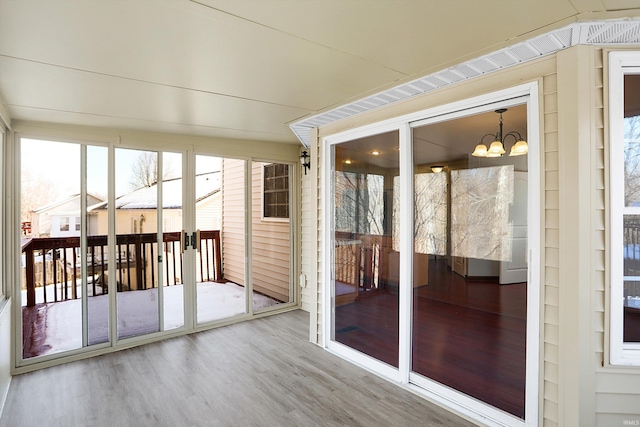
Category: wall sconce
<point>305,160</point>
<point>142,219</point>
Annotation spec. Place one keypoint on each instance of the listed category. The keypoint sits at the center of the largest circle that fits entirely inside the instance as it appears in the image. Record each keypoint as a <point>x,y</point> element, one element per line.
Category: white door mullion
<point>248,241</point>
<point>111,244</point>
<point>189,225</point>
<point>406,252</point>
<point>159,262</point>
<point>83,245</point>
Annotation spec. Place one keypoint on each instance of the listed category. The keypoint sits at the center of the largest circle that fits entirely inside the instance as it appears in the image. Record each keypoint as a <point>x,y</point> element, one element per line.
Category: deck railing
<point>360,260</point>
<point>55,261</point>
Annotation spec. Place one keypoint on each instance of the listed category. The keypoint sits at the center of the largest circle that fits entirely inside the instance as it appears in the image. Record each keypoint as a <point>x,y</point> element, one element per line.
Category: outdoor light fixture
<point>437,168</point>
<point>305,160</point>
<point>496,149</point>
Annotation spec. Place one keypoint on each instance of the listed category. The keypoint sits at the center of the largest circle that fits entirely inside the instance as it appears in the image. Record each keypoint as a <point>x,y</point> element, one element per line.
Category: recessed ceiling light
<point>375,152</point>
<point>347,162</point>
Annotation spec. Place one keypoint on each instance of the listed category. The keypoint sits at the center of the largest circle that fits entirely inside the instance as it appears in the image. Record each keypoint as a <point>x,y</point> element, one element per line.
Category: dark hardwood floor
<point>469,335</point>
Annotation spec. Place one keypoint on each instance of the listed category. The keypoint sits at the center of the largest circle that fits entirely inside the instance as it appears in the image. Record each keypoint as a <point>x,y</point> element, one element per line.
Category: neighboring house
<point>62,218</point>
<point>136,212</point>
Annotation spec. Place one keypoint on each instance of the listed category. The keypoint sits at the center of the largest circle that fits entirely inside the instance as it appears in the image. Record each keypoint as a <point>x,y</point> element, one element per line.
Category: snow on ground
<point>138,313</point>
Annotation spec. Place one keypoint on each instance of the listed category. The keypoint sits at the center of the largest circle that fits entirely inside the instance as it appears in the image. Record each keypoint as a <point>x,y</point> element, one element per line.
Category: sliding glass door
<point>64,295</point>
<point>429,255</point>
<point>470,268</point>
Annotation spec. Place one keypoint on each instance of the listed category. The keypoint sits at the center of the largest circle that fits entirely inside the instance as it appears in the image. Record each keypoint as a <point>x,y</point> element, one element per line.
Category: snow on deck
<point>138,313</point>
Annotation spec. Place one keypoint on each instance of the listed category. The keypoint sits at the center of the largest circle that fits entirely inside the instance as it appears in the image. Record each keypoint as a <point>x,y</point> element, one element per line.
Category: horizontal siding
<point>233,230</point>
<point>271,246</point>
<point>550,303</point>
<point>308,244</point>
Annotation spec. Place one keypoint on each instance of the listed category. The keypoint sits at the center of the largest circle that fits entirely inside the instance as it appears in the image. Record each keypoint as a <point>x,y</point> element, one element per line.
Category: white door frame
<point>526,93</point>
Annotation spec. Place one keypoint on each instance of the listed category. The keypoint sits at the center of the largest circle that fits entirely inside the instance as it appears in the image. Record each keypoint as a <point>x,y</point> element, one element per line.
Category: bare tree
<point>36,192</point>
<point>632,161</point>
<point>145,170</point>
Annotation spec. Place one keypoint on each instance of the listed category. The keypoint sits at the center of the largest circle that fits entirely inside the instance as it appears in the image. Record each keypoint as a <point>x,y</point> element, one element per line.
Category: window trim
<point>620,64</point>
<point>263,218</point>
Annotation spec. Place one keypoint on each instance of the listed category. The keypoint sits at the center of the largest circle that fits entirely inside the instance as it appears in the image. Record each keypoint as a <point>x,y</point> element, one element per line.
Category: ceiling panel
<point>242,69</point>
<point>57,89</point>
<point>407,36</point>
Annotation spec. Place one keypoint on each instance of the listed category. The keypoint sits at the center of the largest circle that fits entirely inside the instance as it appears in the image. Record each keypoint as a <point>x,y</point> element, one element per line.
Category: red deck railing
<point>135,268</point>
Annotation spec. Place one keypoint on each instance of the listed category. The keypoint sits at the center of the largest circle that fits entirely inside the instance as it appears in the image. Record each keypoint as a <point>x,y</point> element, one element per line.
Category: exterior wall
<point>271,252</point>
<point>617,389</point>
<point>544,72</point>
<point>233,232</point>
<point>209,213</point>
<point>577,385</point>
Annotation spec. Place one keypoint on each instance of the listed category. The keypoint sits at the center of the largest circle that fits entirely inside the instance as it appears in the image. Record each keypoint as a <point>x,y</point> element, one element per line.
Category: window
<point>77,223</point>
<point>276,190</point>
<point>624,120</point>
<point>64,223</point>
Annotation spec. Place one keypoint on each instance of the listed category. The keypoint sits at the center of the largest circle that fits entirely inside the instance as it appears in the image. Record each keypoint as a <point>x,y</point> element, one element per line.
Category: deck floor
<point>262,372</point>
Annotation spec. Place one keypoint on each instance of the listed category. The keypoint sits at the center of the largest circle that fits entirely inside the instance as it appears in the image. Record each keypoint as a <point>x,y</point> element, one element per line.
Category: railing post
<point>218,256</point>
<point>139,261</point>
<point>30,275</point>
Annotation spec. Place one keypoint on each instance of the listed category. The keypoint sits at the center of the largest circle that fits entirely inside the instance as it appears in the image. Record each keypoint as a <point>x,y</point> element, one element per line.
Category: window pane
<point>470,263</point>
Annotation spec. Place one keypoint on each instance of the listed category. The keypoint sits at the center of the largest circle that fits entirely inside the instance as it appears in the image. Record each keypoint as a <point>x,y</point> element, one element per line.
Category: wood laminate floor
<point>258,373</point>
<point>469,335</point>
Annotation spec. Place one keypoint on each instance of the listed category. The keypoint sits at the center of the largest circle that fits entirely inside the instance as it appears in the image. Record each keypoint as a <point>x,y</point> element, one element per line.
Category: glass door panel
<point>51,297</point>
<point>220,219</point>
<point>136,278</point>
<point>366,256</point>
<point>271,234</point>
<point>470,267</point>
<point>96,244</point>
<point>172,265</point>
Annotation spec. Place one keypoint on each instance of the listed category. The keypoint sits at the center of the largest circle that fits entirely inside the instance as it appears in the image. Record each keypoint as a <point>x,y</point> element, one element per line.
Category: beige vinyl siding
<point>617,389</point>
<point>550,262</point>
<point>271,240</point>
<point>233,232</point>
<point>545,72</point>
<point>308,242</point>
<point>209,212</point>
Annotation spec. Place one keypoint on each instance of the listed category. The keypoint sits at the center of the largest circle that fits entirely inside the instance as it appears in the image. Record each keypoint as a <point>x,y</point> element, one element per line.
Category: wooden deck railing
<point>54,261</point>
<point>360,260</point>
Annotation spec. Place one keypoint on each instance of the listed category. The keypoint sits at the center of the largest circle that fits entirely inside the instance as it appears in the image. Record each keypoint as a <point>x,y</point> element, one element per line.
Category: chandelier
<point>496,149</point>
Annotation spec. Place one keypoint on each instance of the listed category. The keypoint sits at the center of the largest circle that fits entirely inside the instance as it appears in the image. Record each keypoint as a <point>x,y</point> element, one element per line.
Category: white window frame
<point>273,218</point>
<point>620,64</point>
<point>444,395</point>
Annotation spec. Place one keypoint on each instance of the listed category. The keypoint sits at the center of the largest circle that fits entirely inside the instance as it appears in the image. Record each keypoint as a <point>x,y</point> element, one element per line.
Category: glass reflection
<point>366,264</point>
<point>470,267</point>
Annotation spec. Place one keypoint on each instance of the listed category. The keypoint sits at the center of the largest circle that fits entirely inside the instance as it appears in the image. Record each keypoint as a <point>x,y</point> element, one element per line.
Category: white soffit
<point>623,32</point>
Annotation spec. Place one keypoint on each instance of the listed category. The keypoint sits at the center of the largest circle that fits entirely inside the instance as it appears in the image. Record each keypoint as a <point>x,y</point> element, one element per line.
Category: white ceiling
<point>245,69</point>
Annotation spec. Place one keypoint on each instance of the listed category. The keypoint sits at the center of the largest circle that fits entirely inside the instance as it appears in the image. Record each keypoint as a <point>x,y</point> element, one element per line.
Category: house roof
<point>62,202</point>
<point>247,70</point>
<point>207,184</point>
